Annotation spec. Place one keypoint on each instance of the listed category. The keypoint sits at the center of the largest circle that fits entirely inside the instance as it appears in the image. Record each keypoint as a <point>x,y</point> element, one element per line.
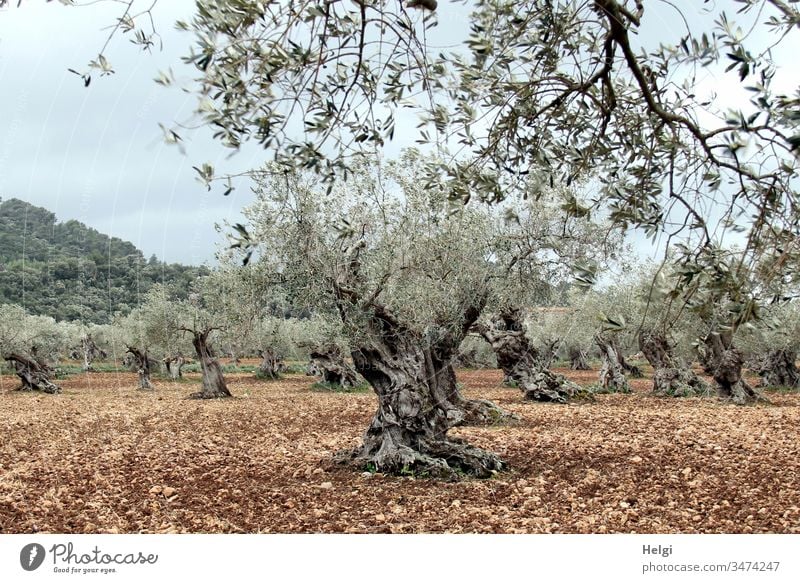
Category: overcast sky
<point>96,154</point>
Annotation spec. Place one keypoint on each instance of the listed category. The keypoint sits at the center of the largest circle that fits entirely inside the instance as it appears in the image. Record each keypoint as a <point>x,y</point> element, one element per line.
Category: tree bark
<point>671,378</point>
<point>34,374</point>
<point>214,386</point>
<point>725,363</point>
<point>633,370</point>
<point>548,353</point>
<point>408,433</point>
<point>612,375</point>
<point>522,364</point>
<point>90,352</point>
<point>778,368</point>
<point>329,363</point>
<point>578,359</point>
<point>174,366</point>
<point>440,357</point>
<point>271,365</point>
<point>142,362</point>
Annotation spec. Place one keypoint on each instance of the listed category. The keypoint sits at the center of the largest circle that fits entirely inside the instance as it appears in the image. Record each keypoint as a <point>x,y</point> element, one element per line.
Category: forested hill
<point>73,272</point>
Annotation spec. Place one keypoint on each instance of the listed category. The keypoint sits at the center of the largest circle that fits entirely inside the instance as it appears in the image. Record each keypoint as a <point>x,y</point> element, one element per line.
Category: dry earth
<point>104,457</point>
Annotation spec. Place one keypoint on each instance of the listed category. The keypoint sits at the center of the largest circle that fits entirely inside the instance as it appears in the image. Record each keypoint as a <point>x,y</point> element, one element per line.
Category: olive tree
<point>773,345</point>
<point>85,342</point>
<point>407,274</point>
<point>327,348</point>
<point>536,248</point>
<point>151,333</point>
<point>30,344</point>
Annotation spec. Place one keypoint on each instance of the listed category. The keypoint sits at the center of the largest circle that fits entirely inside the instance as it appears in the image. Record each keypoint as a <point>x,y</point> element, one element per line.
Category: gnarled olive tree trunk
<point>548,352</point>
<point>521,362</point>
<point>409,431</point>
<point>612,376</point>
<point>778,368</point>
<point>441,355</point>
<point>631,369</point>
<point>578,358</point>
<point>271,365</point>
<point>142,363</point>
<point>89,351</point>
<point>671,378</point>
<point>328,362</point>
<point>415,385</point>
<point>34,374</point>
<point>174,365</point>
<point>214,386</point>
<point>725,363</point>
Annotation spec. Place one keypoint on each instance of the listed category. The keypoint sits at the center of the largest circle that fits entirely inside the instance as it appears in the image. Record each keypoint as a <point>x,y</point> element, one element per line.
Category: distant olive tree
<point>30,345</point>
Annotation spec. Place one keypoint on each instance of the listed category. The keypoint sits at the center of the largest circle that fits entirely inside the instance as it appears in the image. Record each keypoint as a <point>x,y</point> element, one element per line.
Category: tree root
<point>547,386</point>
<point>440,459</point>
<point>679,382</point>
<point>480,412</point>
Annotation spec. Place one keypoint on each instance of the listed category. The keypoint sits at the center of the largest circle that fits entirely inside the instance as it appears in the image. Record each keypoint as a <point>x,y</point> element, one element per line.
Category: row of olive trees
<point>165,333</point>
<point>625,313</point>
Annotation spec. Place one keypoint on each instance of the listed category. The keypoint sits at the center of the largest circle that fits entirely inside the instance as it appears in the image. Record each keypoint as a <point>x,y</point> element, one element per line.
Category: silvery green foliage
<point>154,325</point>
<point>540,92</point>
<point>422,256</point>
<point>32,336</point>
<point>419,253</point>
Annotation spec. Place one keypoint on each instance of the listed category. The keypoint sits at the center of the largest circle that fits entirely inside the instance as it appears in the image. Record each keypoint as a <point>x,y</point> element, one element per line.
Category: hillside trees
<point>72,272</point>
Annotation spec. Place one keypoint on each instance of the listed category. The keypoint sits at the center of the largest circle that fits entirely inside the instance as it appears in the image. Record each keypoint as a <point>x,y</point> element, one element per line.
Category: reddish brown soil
<point>104,457</point>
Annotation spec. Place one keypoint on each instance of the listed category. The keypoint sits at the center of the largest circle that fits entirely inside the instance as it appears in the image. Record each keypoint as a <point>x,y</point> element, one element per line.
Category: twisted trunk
<point>142,363</point>
<point>415,384</point>
<point>328,362</point>
<point>214,386</point>
<point>725,363</point>
<point>174,366</point>
<point>521,362</point>
<point>90,352</point>
<point>461,411</point>
<point>612,376</point>
<point>778,368</point>
<point>271,365</point>
<point>671,378</point>
<point>578,359</point>
<point>34,374</point>
<point>408,433</point>
<point>548,353</point>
